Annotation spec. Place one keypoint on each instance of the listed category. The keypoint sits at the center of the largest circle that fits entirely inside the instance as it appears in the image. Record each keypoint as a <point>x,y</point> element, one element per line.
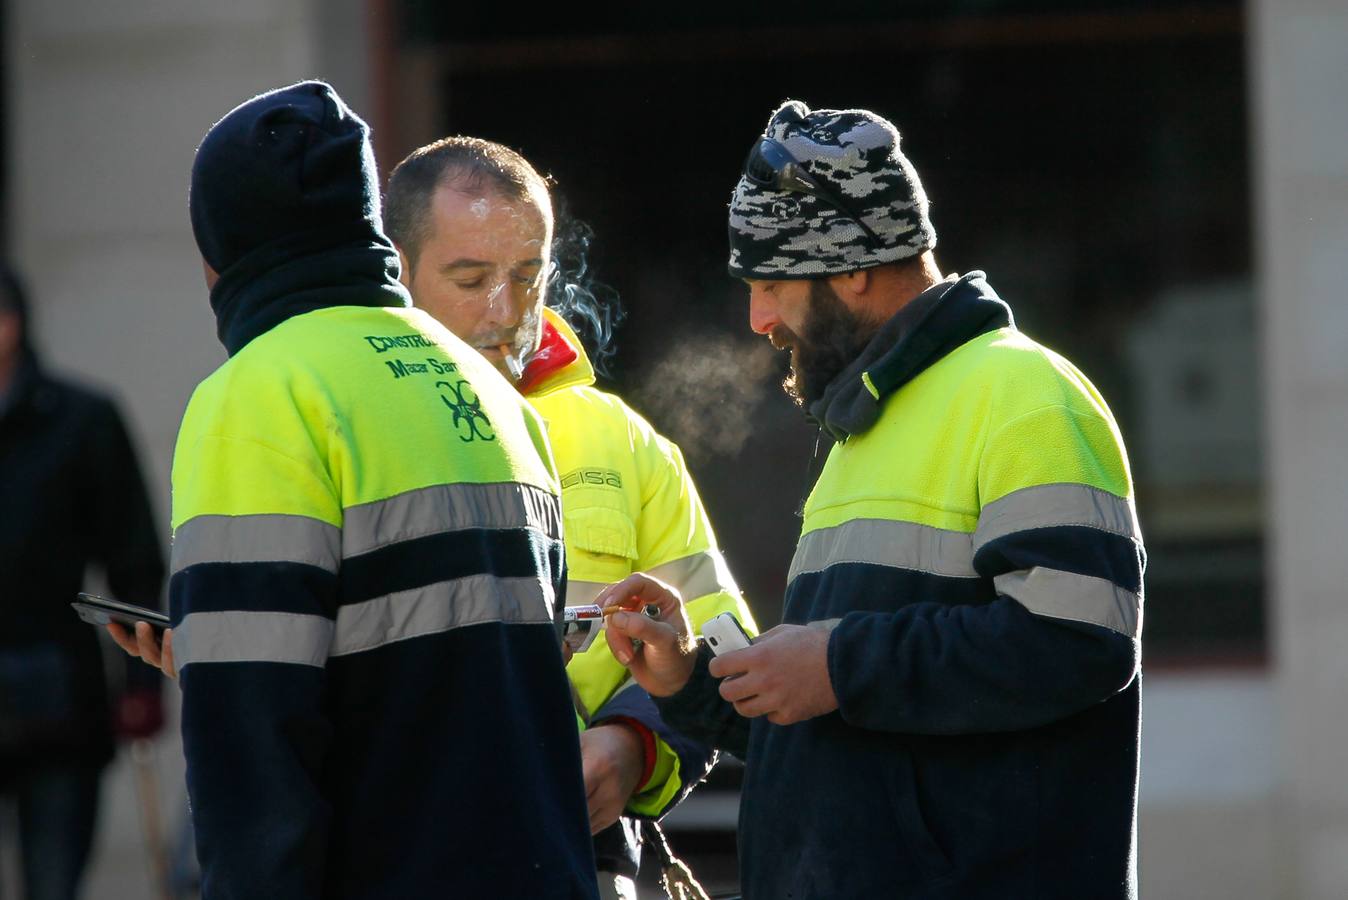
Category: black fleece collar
<point>291,277</point>
<point>938,320</point>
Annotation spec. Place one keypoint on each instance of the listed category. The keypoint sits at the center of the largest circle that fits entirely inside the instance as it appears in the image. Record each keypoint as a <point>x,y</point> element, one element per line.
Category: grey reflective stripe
<point>237,636</point>
<point>449,507</point>
<point>441,607</point>
<point>1048,505</point>
<point>579,593</point>
<point>884,542</point>
<point>256,538</point>
<point>693,576</point>
<point>697,575</point>
<point>1081,598</point>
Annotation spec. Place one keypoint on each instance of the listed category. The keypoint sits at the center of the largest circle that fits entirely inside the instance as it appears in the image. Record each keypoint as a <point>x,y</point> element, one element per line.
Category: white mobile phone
<point>725,634</point>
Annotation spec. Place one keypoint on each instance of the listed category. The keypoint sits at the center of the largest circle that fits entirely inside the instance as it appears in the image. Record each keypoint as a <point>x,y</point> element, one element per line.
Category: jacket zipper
<point>812,472</point>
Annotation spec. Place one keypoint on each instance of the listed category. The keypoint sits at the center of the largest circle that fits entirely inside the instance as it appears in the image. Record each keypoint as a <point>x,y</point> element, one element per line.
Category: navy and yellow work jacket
<point>367,563</point>
<point>973,534</point>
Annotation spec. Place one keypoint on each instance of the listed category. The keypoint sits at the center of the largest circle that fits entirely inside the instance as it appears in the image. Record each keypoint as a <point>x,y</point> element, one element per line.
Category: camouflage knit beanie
<point>851,155</point>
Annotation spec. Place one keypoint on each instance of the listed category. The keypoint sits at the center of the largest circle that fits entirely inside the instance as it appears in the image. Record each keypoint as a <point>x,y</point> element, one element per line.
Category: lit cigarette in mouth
<point>513,364</point>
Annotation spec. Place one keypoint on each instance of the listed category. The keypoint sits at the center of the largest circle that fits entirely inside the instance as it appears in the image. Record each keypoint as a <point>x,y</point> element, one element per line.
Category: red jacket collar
<point>554,354</point>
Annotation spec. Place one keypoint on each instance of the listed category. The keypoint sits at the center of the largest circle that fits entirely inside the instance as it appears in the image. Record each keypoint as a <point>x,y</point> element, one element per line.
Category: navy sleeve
<point>251,641</point>
<point>1061,635</point>
<point>700,713</point>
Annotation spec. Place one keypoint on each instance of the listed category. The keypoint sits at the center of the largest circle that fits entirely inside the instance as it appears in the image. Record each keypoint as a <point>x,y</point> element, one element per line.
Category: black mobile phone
<point>98,610</point>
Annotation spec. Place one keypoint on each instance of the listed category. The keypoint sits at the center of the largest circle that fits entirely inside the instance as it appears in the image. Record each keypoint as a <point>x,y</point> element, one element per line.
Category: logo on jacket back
<point>466,407</point>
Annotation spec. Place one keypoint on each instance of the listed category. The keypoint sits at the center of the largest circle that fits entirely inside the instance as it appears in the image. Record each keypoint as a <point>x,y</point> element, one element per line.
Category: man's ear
<point>850,285</point>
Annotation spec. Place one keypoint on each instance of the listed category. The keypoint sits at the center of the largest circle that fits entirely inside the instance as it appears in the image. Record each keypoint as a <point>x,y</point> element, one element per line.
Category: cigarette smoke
<point>705,392</point>
<point>589,306</point>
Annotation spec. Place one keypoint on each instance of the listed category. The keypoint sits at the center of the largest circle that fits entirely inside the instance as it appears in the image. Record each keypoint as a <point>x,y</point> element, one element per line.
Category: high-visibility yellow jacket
<point>629,505</point>
<point>973,540</point>
<point>366,563</point>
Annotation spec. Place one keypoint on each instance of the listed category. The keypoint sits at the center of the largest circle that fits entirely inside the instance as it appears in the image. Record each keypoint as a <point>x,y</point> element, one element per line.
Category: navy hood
<point>285,207</point>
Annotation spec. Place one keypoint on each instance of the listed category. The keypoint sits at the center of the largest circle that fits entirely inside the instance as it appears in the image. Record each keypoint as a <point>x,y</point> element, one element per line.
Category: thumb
<point>626,627</point>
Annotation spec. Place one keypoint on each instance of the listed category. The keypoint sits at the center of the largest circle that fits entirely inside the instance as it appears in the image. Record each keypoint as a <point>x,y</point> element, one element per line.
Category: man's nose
<point>763,315</point>
<point>504,306</point>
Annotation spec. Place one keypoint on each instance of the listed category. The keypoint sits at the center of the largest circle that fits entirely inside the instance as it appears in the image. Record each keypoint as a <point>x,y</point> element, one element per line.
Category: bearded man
<point>952,707</point>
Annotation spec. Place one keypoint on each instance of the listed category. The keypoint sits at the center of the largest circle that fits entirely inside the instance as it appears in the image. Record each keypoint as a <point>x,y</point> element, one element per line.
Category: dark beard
<point>833,336</point>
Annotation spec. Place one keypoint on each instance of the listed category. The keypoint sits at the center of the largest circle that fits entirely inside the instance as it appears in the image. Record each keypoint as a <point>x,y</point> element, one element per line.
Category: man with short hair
<point>951,710</point>
<point>367,557</point>
<point>473,222</point>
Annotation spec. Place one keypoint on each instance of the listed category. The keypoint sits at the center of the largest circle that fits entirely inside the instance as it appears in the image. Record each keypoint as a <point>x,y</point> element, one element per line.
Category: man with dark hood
<point>951,709</point>
<point>367,557</point>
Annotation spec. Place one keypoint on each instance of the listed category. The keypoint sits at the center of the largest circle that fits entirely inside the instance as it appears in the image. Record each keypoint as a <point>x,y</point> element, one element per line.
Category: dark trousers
<point>57,808</point>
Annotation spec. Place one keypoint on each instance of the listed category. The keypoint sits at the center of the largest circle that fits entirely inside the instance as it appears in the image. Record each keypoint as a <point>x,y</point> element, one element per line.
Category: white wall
<point>1300,141</point>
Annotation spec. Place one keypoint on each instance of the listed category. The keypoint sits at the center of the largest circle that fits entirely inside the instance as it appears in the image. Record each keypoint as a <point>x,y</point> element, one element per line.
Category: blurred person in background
<point>367,558</point>
<point>952,707</point>
<point>71,497</point>
<point>473,222</point>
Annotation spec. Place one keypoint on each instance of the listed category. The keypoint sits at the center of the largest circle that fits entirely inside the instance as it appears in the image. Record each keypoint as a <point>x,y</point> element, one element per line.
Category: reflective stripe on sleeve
<point>579,593</point>
<point>1081,598</point>
<point>883,542</point>
<point>693,576</point>
<point>236,637</point>
<point>271,537</point>
<point>436,608</point>
<point>448,507</point>
<point>1050,505</point>
<point>697,575</point>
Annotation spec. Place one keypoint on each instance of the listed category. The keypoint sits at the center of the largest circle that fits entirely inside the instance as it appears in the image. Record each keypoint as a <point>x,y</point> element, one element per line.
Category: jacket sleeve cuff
<point>675,764</point>
<point>700,712</point>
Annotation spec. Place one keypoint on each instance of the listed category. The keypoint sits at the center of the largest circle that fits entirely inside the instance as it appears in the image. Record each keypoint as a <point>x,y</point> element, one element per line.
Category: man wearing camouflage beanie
<point>951,710</point>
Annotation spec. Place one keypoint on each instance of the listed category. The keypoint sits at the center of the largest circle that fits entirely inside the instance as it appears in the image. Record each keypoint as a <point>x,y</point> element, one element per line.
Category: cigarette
<point>513,364</point>
<point>652,610</point>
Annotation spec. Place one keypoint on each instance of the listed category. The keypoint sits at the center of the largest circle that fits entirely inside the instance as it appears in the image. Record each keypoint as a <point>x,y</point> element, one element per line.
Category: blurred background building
<point>1159,189</point>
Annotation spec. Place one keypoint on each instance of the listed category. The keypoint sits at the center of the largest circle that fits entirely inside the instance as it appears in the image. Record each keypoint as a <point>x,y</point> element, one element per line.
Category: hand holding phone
<point>153,644</point>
